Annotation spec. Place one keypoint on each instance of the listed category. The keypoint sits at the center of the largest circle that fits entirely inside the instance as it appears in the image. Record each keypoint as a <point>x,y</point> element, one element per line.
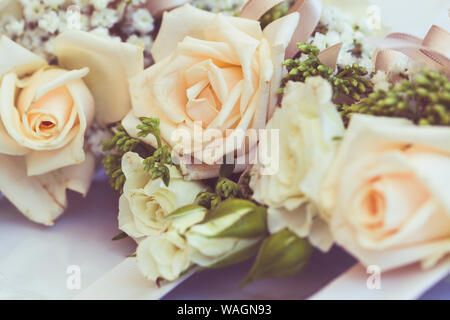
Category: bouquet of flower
<point>282,127</point>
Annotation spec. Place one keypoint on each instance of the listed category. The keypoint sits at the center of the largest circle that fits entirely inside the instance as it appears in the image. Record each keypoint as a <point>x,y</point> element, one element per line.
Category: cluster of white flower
<point>341,27</point>
<point>230,7</point>
<point>95,137</point>
<point>41,20</point>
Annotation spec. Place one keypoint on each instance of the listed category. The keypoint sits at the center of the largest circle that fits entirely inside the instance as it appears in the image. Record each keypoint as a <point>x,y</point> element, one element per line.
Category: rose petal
<point>39,162</point>
<point>109,85</point>
<point>14,58</point>
<point>42,198</point>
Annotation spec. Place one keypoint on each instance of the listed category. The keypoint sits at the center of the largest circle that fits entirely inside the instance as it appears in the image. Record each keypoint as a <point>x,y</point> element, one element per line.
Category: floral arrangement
<point>283,127</point>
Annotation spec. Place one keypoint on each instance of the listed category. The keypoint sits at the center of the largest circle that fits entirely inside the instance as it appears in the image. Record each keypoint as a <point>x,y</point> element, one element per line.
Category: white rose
<point>44,113</point>
<point>145,202</point>
<point>308,125</point>
<point>163,256</point>
<point>218,70</point>
<point>387,192</point>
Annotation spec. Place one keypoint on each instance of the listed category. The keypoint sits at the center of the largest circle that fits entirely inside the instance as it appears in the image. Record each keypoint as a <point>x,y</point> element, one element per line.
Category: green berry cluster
<point>113,168</point>
<point>116,146</point>
<point>275,13</point>
<point>157,163</point>
<point>300,70</point>
<point>350,82</point>
<point>320,28</point>
<point>425,100</point>
<point>225,188</point>
<point>120,141</point>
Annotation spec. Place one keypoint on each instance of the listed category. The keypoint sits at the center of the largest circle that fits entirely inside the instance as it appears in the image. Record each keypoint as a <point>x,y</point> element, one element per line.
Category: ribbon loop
<point>255,9</point>
<point>157,7</point>
<point>433,50</point>
<point>309,10</point>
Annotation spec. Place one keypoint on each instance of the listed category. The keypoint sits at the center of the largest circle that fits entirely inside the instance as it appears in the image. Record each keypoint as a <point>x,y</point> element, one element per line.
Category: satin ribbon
<point>433,50</point>
<point>309,10</point>
<point>157,7</point>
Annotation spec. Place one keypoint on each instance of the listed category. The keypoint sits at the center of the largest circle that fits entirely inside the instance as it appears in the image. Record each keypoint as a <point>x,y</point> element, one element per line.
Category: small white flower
<point>33,10</point>
<point>143,21</point>
<point>320,41</point>
<point>100,4</point>
<point>49,22</point>
<point>105,18</point>
<point>54,3</point>
<point>380,81</point>
<point>400,65</point>
<point>346,58</point>
<point>100,31</point>
<point>95,138</point>
<point>15,27</point>
<point>137,2</point>
<point>366,62</point>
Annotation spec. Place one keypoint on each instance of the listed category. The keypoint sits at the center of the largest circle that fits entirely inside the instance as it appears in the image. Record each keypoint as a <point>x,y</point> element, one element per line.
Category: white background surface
<point>34,259</point>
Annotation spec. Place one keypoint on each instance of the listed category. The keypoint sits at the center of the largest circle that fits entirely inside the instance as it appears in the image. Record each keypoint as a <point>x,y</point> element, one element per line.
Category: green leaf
<point>185,211</point>
<point>230,206</point>
<point>251,225</point>
<point>120,236</point>
<point>283,254</point>
<point>208,199</point>
<point>234,218</point>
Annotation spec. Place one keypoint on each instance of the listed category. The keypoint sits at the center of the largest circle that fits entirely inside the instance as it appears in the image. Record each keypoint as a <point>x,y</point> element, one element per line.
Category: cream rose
<point>165,256</point>
<point>222,72</point>
<point>308,125</point>
<point>45,112</point>
<point>145,202</point>
<point>387,194</point>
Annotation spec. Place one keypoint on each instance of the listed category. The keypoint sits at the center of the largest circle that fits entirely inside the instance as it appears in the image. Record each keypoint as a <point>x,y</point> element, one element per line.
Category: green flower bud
<point>226,188</point>
<point>208,200</point>
<point>283,254</point>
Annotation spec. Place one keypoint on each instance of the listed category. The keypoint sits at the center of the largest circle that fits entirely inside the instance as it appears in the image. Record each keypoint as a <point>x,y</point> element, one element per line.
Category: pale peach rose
<point>45,112</point>
<point>111,64</point>
<point>387,196</point>
<point>217,70</point>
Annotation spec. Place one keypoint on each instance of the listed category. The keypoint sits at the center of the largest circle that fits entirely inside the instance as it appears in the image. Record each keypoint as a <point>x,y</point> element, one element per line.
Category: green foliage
<point>425,100</point>
<point>157,163</point>
<point>282,254</point>
<point>208,199</point>
<point>120,141</point>
<point>349,83</point>
<point>113,168</point>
